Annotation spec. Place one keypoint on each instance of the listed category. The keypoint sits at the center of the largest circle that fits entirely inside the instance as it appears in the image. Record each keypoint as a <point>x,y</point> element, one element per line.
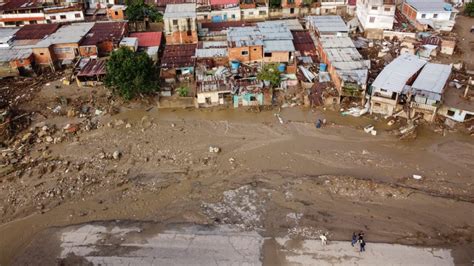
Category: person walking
<point>354,239</point>
<point>362,245</point>
<point>324,240</point>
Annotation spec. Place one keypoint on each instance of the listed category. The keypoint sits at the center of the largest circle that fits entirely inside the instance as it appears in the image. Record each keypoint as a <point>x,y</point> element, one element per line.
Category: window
<point>291,2</point>
<point>244,53</point>
<point>251,13</point>
<point>77,15</point>
<point>375,7</point>
<point>262,13</point>
<point>387,9</point>
<point>267,54</point>
<point>62,50</point>
<point>377,104</point>
<point>254,49</point>
<point>292,10</point>
<point>233,16</point>
<point>175,22</point>
<point>450,113</point>
<point>116,13</point>
<point>62,16</point>
<point>435,15</point>
<point>33,22</point>
<point>372,19</point>
<point>423,15</point>
<point>41,53</point>
<point>52,17</point>
<point>205,17</point>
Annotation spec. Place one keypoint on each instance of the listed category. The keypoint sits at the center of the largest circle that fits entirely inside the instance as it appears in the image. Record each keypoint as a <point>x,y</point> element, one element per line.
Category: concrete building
<point>435,14</point>
<point>427,91</point>
<point>254,9</point>
<point>327,25</point>
<point>346,67</point>
<point>116,12</point>
<point>291,8</point>
<point>16,13</point>
<point>16,62</point>
<point>458,104</point>
<point>63,14</point>
<point>337,7</point>
<point>103,38</point>
<point>388,91</point>
<point>245,44</point>
<point>219,11</point>
<point>180,24</point>
<point>376,14</point>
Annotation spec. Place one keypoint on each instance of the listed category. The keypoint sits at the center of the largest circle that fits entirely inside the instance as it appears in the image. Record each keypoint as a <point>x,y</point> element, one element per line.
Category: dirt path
<point>278,179</point>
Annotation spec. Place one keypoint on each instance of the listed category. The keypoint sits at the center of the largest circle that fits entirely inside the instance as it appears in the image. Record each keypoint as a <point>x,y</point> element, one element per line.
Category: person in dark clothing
<point>362,245</point>
<point>354,239</point>
<point>361,236</point>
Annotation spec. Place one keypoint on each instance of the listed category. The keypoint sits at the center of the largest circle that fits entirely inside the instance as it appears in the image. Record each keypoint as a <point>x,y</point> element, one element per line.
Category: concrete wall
<point>277,57</point>
<point>70,16</point>
<point>182,30</point>
<point>254,53</point>
<point>454,113</point>
<point>373,15</point>
<point>44,56</point>
<point>257,13</point>
<point>181,37</point>
<point>65,51</point>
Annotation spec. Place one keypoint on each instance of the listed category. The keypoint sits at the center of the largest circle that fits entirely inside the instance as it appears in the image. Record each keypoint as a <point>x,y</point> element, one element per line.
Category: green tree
<point>183,91</point>
<point>469,9</point>
<point>138,10</point>
<point>275,3</point>
<point>270,73</point>
<point>130,73</point>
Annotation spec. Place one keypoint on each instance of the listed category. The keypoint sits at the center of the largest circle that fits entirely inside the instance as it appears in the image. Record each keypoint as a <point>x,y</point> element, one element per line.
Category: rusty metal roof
<point>93,68</point>
<point>36,31</point>
<point>303,41</point>
<point>181,55</point>
<point>105,31</point>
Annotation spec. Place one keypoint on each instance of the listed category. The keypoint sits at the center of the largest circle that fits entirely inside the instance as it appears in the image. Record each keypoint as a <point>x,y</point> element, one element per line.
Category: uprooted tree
<point>138,10</point>
<point>130,73</point>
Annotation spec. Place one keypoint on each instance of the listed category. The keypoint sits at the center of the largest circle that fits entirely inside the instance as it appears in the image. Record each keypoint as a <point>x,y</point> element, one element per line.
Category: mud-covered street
<point>280,180</point>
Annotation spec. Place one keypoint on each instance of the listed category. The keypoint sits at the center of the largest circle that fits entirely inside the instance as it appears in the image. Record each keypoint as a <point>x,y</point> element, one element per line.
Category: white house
<point>436,14</point>
<point>63,14</point>
<point>376,14</point>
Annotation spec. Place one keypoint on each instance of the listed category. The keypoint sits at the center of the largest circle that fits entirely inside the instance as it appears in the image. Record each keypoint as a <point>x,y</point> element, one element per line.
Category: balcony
<point>423,106</point>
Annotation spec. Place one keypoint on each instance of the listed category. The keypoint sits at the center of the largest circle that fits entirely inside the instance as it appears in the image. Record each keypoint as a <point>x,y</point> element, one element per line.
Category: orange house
<point>116,12</point>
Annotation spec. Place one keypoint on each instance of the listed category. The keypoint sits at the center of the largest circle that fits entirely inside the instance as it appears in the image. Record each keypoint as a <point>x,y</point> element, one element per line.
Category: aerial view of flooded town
<point>237,132</point>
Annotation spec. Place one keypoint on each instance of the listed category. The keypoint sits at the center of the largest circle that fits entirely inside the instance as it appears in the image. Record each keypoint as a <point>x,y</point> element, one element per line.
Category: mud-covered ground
<point>288,179</point>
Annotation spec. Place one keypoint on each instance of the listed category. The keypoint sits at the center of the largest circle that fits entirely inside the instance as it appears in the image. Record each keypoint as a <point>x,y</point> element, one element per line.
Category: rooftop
<point>67,34</point>
<point>274,30</point>
<point>244,36</point>
<point>224,2</point>
<point>176,56</point>
<point>148,39</point>
<point>454,98</point>
<point>396,74</point>
<point>278,46</point>
<point>180,11</point>
<point>220,26</point>
<point>430,5</point>
<point>432,78</point>
<point>336,42</point>
<point>163,3</point>
<point>10,54</point>
<point>303,42</point>
<point>129,41</point>
<point>36,31</point>
<point>93,68</point>
<point>7,34</point>
<point>327,24</point>
<point>211,52</point>
<point>102,31</point>
<point>58,9</point>
<point>21,4</point>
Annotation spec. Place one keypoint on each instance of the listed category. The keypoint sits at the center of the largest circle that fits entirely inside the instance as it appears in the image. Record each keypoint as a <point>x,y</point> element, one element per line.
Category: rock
<point>49,139</point>
<point>116,155</point>
<point>173,125</point>
<point>42,133</point>
<point>26,137</point>
<point>102,155</point>
<point>231,160</point>
<point>128,125</point>
<point>417,177</point>
<point>214,149</point>
<point>119,122</point>
<point>45,128</point>
<point>71,113</point>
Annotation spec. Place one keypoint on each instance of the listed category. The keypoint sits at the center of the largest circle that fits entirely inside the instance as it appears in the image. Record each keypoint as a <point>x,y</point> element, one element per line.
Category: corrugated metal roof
<point>94,67</point>
<point>430,5</point>
<point>432,78</point>
<point>274,30</point>
<point>212,52</point>
<point>10,54</point>
<point>396,74</point>
<point>103,31</point>
<point>278,46</point>
<point>148,39</point>
<point>7,34</point>
<point>67,34</point>
<point>180,11</point>
<point>303,41</point>
<point>181,55</point>
<point>328,23</point>
<point>244,36</point>
<point>36,31</point>
<point>336,42</point>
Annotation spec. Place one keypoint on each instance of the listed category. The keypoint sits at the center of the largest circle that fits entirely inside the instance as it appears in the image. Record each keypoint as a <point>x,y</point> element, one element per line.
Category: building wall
<point>106,47</point>
<point>70,16</point>
<point>254,53</point>
<point>15,20</point>
<point>180,31</point>
<point>382,106</point>
<point>278,57</point>
<point>88,51</point>
<point>257,13</point>
<point>65,51</point>
<point>409,12</point>
<point>375,15</point>
<point>455,114</point>
<point>115,14</point>
<point>44,56</point>
<point>291,3</point>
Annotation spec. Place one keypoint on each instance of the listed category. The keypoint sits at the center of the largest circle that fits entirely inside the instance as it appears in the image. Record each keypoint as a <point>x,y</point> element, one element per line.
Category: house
<point>245,44</point>
<point>212,85</point>
<point>15,13</point>
<point>389,89</point>
<point>254,9</point>
<point>428,89</point>
<point>277,43</point>
<point>91,72</point>
<point>7,36</point>
<point>435,14</point>
<point>61,46</point>
<point>346,67</point>
<point>98,4</point>
<point>337,7</point>
<point>103,38</point>
<point>129,42</point>
<point>376,15</point>
<point>61,14</point>
<point>291,8</point>
<point>177,63</point>
<point>149,42</point>
<point>327,25</point>
<point>458,104</point>
<point>116,12</point>
<point>180,24</point>
<point>220,11</point>
<point>212,53</point>
<point>16,62</point>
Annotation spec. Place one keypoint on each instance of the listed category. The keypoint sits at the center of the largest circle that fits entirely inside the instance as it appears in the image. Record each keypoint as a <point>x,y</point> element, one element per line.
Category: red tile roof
<point>36,31</point>
<point>105,31</point>
<point>147,39</point>
<point>224,2</point>
<point>181,55</point>
<point>21,4</point>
